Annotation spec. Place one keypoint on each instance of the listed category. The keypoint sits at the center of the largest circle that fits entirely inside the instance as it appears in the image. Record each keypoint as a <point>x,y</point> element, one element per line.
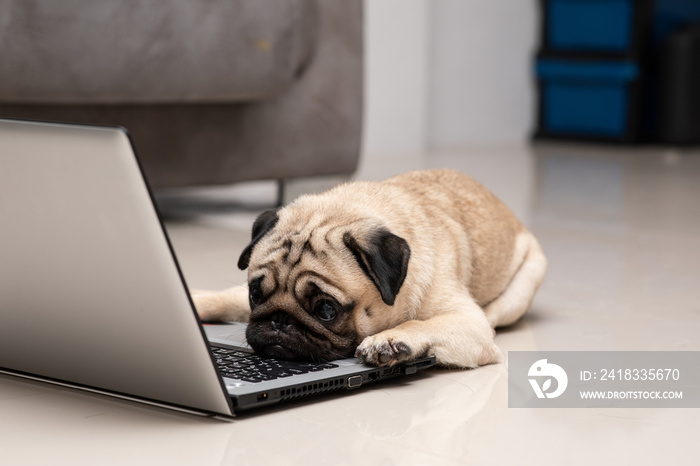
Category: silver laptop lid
<point>90,293</point>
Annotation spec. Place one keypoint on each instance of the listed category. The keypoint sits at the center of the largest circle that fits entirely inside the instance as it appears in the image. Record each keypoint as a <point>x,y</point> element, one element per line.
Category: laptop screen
<point>90,292</point>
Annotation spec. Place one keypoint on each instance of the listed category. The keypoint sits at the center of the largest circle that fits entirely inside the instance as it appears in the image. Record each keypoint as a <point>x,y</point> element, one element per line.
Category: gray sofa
<point>212,91</point>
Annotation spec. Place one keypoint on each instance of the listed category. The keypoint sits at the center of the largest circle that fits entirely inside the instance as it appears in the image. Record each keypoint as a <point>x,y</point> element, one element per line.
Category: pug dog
<point>424,263</point>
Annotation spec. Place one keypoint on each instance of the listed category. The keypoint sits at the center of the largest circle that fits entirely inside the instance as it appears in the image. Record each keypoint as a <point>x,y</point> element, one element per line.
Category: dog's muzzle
<point>281,335</point>
<point>277,336</point>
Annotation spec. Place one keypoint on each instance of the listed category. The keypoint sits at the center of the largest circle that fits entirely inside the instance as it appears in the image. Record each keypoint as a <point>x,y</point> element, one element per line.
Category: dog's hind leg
<point>517,297</point>
<point>229,305</point>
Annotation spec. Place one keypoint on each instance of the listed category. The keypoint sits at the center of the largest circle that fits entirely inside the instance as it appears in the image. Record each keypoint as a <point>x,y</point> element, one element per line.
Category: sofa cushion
<point>152,51</point>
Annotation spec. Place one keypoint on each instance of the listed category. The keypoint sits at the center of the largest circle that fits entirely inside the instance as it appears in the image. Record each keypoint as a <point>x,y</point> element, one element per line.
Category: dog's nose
<point>281,320</point>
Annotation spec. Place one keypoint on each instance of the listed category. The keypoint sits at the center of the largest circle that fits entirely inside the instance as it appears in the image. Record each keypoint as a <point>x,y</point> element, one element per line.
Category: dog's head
<point>320,280</point>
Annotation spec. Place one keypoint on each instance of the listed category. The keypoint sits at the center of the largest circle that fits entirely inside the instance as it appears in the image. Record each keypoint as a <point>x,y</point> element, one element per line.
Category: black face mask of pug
<point>425,263</point>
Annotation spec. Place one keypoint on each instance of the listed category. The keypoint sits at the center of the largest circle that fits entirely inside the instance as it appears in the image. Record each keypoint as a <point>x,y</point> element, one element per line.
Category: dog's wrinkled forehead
<point>305,227</point>
<point>320,242</point>
<point>300,250</point>
<point>287,245</point>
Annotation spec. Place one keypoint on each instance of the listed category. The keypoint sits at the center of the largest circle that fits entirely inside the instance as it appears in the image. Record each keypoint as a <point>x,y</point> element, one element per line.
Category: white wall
<point>396,72</point>
<point>481,90</point>
<point>447,74</point>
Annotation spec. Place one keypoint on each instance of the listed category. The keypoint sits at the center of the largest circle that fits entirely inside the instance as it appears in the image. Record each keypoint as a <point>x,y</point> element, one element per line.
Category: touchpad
<point>233,333</point>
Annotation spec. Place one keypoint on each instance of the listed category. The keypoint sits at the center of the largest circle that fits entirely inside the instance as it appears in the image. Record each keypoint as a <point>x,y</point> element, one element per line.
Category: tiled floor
<point>621,229</point>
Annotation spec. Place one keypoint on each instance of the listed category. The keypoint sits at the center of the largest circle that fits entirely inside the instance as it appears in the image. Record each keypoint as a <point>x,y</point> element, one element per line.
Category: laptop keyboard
<point>248,367</point>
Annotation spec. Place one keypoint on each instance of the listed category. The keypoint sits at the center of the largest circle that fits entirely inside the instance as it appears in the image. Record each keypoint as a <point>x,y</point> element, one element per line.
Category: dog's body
<point>423,263</point>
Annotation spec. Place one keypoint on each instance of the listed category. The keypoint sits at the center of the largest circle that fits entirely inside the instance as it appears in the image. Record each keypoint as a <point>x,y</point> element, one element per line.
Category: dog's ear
<point>263,224</point>
<point>384,259</point>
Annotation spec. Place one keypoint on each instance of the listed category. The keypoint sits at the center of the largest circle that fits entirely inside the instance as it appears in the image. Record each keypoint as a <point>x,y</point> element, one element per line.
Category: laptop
<point>92,297</point>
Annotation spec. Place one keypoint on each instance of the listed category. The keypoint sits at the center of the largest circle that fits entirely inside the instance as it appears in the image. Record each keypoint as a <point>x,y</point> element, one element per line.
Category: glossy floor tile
<point>621,229</point>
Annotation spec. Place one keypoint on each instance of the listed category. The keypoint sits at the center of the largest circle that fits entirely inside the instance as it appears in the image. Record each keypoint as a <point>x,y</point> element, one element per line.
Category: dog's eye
<point>325,311</point>
<point>254,294</point>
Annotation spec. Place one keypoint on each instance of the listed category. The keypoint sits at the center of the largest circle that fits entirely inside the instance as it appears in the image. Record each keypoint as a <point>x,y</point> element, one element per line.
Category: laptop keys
<point>248,367</point>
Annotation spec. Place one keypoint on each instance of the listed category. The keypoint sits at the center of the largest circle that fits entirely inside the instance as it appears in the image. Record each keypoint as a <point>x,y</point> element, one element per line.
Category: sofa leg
<point>280,193</point>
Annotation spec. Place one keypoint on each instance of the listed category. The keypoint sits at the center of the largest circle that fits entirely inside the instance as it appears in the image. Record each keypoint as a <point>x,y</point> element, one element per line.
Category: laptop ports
<point>355,381</point>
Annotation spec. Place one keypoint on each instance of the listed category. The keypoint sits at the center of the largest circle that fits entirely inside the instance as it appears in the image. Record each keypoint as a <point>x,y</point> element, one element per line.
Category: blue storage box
<point>598,69</point>
<point>594,26</point>
<point>589,99</point>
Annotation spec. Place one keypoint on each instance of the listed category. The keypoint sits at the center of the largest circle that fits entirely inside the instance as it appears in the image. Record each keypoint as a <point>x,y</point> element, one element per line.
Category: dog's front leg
<point>461,339</point>
<point>229,305</point>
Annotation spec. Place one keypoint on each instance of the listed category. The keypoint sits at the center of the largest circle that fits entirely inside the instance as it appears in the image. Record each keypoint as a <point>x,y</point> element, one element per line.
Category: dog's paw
<point>384,350</point>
